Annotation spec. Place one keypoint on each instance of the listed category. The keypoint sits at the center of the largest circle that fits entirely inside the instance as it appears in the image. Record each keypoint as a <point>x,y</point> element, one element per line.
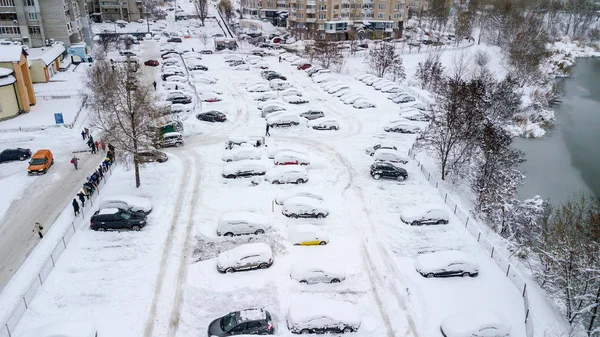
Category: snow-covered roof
<point>5,72</point>
<point>7,80</point>
<point>252,315</point>
<point>108,211</point>
<point>46,54</point>
<point>243,216</point>
<point>11,53</point>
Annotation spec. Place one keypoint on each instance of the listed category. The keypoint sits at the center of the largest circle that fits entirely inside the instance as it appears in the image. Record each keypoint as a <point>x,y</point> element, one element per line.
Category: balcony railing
<point>311,20</point>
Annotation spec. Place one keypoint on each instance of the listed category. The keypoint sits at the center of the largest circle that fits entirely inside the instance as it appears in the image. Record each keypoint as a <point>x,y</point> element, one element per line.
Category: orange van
<point>40,162</point>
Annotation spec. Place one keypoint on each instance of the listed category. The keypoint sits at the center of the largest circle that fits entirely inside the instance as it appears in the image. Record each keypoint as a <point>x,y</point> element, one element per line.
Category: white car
<point>402,127</point>
<point>343,92</point>
<point>63,329</point>
<point>307,235</point>
<point>243,67</point>
<point>403,98</point>
<point>175,61</point>
<point>391,89</point>
<point>259,87</point>
<point>445,264</point>
<point>320,315</point>
<point>304,207</point>
<point>203,79</point>
<point>418,106</point>
<point>273,150</point>
<point>234,141</point>
<point>415,115</point>
<point>178,79</point>
<point>293,99</point>
<point>317,271</point>
<point>371,150</point>
<point>127,202</point>
<point>364,79</point>
<point>283,119</point>
<point>371,80</point>
<point>281,196</point>
<point>324,78</point>
<point>300,61</point>
<point>291,92</point>
<point>476,324</point>
<point>361,76</point>
<point>261,105</point>
<point>350,99</point>
<point>179,108</point>
<point>270,108</point>
<point>267,96</point>
<point>231,57</point>
<point>210,97</point>
<point>244,168</point>
<point>171,85</point>
<point>248,256</point>
<point>241,153</point>
<point>362,104</point>
<point>324,124</point>
<point>382,84</point>
<point>240,223</point>
<point>392,156</point>
<point>425,215</point>
<point>287,174</point>
<point>335,88</point>
<point>290,158</point>
<point>279,85</point>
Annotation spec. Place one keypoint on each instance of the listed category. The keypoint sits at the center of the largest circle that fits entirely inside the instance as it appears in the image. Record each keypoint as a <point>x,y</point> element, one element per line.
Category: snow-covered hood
<point>471,324</point>
<point>302,312</point>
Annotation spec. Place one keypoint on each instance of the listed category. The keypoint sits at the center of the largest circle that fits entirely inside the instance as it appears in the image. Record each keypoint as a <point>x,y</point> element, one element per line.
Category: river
<point>566,162</point>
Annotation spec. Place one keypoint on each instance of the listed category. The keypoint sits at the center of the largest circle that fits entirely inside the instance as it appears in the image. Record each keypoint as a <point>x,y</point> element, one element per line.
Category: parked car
<point>240,223</point>
<point>178,79</point>
<point>361,76</point>
<point>362,104</point>
<point>445,264</point>
<point>350,99</point>
<point>317,271</point>
<point>287,174</point>
<point>281,196</point>
<point>382,84</point>
<point>270,108</point>
<point>174,40</point>
<point>418,106</point>
<point>210,97</point>
<point>179,99</point>
<point>171,86</point>
<point>402,127</point>
<point>241,153</point>
<point>370,80</point>
<point>312,114</point>
<point>267,96</point>
<point>392,156</point>
<point>206,52</point>
<point>307,235</point>
<point>212,116</point>
<point>403,99</point>
<point>324,78</point>
<point>171,139</point>
<point>245,257</point>
<point>150,156</point>
<point>304,66</point>
<point>293,99</point>
<point>335,88</point>
<point>476,324</point>
<point>304,207</point>
<point>197,67</point>
<point>321,71</point>
<point>152,63</point>
<point>324,124</point>
<point>425,215</point>
<point>391,89</point>
<point>234,141</point>
<point>388,171</point>
<point>169,52</point>
<point>290,158</point>
<point>164,76</point>
<point>415,115</point>
<point>371,151</point>
<point>320,315</point>
<point>259,87</point>
<point>107,219</point>
<point>342,93</point>
<point>40,162</point>
<point>283,120</point>
<point>244,168</point>
<point>244,322</point>
<point>196,78</point>
<point>261,105</point>
<point>14,154</point>
<point>279,84</point>
<point>127,202</point>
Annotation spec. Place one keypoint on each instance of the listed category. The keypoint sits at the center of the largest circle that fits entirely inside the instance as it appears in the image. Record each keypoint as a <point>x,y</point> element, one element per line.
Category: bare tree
<point>383,58</point>
<point>105,41</point>
<point>204,39</point>
<point>328,53</point>
<point>226,9</point>
<point>430,72</point>
<point>527,50</point>
<point>122,108</point>
<point>201,7</point>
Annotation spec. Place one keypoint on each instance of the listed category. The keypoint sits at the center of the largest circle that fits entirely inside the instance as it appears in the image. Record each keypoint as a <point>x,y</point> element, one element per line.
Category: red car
<point>212,100</point>
<point>151,63</point>
<point>304,66</point>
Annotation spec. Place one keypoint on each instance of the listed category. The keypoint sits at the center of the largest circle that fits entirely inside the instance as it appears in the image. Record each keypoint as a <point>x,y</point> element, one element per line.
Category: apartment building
<point>270,10</point>
<point>126,10</point>
<point>36,23</point>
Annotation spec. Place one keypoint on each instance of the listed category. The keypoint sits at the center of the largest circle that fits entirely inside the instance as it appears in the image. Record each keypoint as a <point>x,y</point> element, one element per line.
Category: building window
<point>32,16</point>
<point>382,6</point>
<point>30,3</point>
<point>397,7</point>
<point>10,30</point>
<point>323,7</point>
<point>335,16</point>
<point>380,16</point>
<point>7,3</point>
<point>336,7</point>
<point>397,16</point>
<point>300,6</point>
<point>8,16</point>
<point>270,4</point>
<point>34,30</point>
<point>345,5</point>
<point>321,16</point>
<point>69,27</point>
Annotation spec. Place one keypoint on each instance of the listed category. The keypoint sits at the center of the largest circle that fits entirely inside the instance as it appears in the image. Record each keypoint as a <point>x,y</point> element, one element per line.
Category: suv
<point>115,218</point>
<point>245,322</point>
<point>14,154</point>
<point>312,114</point>
<point>40,162</point>
<point>149,156</point>
<point>171,139</point>
<point>388,170</point>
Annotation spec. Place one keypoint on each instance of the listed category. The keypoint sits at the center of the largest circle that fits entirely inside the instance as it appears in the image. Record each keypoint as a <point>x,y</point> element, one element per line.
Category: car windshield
<point>126,215</point>
<point>228,321</point>
<point>37,161</point>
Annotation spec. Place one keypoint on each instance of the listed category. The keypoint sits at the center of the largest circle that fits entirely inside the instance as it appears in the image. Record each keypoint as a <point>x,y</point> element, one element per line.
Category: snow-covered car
<point>324,78</point>
<point>307,235</point>
<point>261,105</point>
<point>392,156</point>
<point>172,61</point>
<point>170,86</point>
<point>180,108</point>
<point>342,93</point>
<point>403,99</point>
<point>231,58</point>
<point>267,96</point>
<point>243,67</point>
<point>281,196</point>
<point>293,99</point>
<point>362,104</point>
<point>446,263</point>
<point>271,108</point>
<point>234,141</point>
<point>417,105</point>
<point>318,71</point>
<point>289,174</point>
<point>201,89</point>
<point>402,127</point>
<point>371,80</point>
<point>178,79</point>
<point>425,215</point>
<point>210,97</point>
<point>299,62</point>
<point>312,114</point>
<point>371,150</point>
<point>241,153</point>
<point>196,66</point>
<point>317,271</point>
<point>244,168</point>
<point>279,85</point>
<point>255,321</point>
<point>382,84</point>
<point>360,76</point>
<point>241,223</point>
<point>368,77</point>
<point>127,202</point>
<point>415,115</point>
<point>283,119</point>
<point>258,87</point>
<point>304,207</point>
<point>391,89</point>
<point>335,88</point>
<point>245,257</point>
<point>262,65</point>
<point>324,124</point>
<point>203,79</point>
<point>290,158</point>
<point>63,329</point>
<point>313,70</point>
<point>291,92</point>
<point>350,99</point>
<point>320,315</point>
<point>476,324</point>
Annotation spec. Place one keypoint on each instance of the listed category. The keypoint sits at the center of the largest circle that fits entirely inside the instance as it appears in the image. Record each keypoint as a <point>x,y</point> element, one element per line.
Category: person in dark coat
<point>75,207</point>
<point>154,84</point>
<point>81,198</point>
<point>83,134</point>
<point>267,133</point>
<point>93,148</point>
<point>39,228</point>
<point>100,172</point>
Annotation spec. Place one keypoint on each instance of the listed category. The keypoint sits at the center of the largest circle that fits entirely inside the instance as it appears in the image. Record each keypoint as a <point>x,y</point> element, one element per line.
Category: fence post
<point>63,240</point>
<point>7,329</point>
<point>524,289</point>
<point>467,221</point>
<point>478,236</point>
<point>526,315</point>
<point>492,252</point>
<point>455,208</point>
<point>72,225</point>
<point>429,177</point>
<point>436,184</point>
<point>273,206</point>
<point>52,259</point>
<point>25,302</point>
<point>507,270</point>
<point>445,198</point>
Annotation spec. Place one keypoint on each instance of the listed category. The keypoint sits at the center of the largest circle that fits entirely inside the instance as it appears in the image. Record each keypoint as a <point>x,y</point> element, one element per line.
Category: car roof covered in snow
<point>131,200</point>
<point>417,211</point>
<point>303,201</point>
<point>110,210</point>
<point>387,152</point>
<point>442,258</point>
<point>249,248</point>
<point>467,324</point>
<point>247,216</point>
<point>306,310</point>
<point>252,315</point>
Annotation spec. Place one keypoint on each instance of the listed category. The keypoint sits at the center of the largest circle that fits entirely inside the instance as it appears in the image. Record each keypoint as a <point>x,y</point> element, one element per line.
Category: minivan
<point>40,162</point>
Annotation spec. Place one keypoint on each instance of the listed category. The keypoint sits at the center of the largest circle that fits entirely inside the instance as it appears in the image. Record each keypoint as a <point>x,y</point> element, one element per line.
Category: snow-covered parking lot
<point>163,280</point>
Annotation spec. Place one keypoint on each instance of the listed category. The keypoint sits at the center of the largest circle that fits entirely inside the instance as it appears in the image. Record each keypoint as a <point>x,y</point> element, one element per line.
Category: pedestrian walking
<point>100,173</point>
<point>75,207</point>
<point>97,145</point>
<point>93,148</point>
<point>75,161</point>
<point>154,84</point>
<point>87,132</point>
<point>111,148</point>
<point>279,59</point>
<point>267,133</point>
<point>39,228</point>
<point>83,134</point>
<point>81,198</point>
<point>103,145</point>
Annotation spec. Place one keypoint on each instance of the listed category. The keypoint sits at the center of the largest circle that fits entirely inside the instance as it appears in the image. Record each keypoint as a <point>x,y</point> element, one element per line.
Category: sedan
<point>290,158</point>
<point>150,156</point>
<point>281,196</point>
<point>476,324</point>
<point>425,215</point>
<point>304,66</point>
<point>212,116</point>
<point>244,168</point>
<point>304,207</point>
<point>371,151</point>
<point>14,154</point>
<point>320,315</point>
<point>312,114</point>
<point>151,63</point>
<point>245,257</point>
<point>241,153</point>
<point>324,124</point>
<point>415,115</point>
<point>362,104</point>
<point>167,75</point>
<point>392,156</point>
<point>197,67</point>
<point>403,99</point>
<point>287,175</point>
<point>402,127</point>
<point>446,264</point>
<point>206,52</point>
<point>175,39</point>
<point>311,272</point>
<point>293,99</point>
<point>283,119</point>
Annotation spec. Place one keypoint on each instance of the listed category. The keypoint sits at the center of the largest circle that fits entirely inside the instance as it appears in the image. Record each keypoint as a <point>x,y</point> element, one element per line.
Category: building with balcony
<point>347,19</point>
<point>37,23</point>
<point>126,10</point>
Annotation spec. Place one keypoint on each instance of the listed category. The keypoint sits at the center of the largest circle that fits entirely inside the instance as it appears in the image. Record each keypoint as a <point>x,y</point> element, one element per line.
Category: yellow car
<point>308,235</point>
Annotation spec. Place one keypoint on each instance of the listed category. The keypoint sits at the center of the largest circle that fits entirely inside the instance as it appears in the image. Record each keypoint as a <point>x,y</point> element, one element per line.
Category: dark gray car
<point>244,322</point>
<point>312,114</point>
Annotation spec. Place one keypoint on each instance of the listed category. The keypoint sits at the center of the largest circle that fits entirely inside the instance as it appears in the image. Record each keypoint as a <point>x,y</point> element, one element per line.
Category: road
<point>42,202</point>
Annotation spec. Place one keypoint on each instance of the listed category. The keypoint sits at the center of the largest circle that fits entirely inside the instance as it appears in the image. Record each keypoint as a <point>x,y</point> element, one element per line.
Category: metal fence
<point>22,304</point>
<point>44,127</point>
<point>474,228</point>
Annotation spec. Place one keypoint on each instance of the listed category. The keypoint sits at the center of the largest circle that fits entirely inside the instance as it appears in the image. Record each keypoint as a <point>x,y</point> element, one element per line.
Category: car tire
<point>335,280</point>
<point>304,332</point>
<point>230,270</point>
<point>400,178</point>
<point>231,176</point>
<point>259,232</point>
<point>276,182</point>
<point>136,228</point>
<point>347,330</point>
<point>300,181</point>
<point>22,158</point>
<point>377,176</point>
<point>263,266</point>
<point>304,281</point>
<point>320,216</point>
<point>228,161</point>
<point>322,243</point>
<point>178,144</point>
<point>294,215</point>
<point>430,275</point>
<point>465,274</point>
<point>415,223</point>
<point>100,229</point>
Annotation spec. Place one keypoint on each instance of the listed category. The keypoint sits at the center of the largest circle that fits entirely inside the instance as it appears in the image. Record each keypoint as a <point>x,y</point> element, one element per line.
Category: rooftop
<point>46,54</point>
<point>10,53</point>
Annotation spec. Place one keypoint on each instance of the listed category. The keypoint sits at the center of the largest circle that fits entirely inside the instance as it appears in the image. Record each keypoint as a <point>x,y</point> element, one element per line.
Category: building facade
<point>126,10</point>
<point>36,23</point>
<point>16,87</point>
